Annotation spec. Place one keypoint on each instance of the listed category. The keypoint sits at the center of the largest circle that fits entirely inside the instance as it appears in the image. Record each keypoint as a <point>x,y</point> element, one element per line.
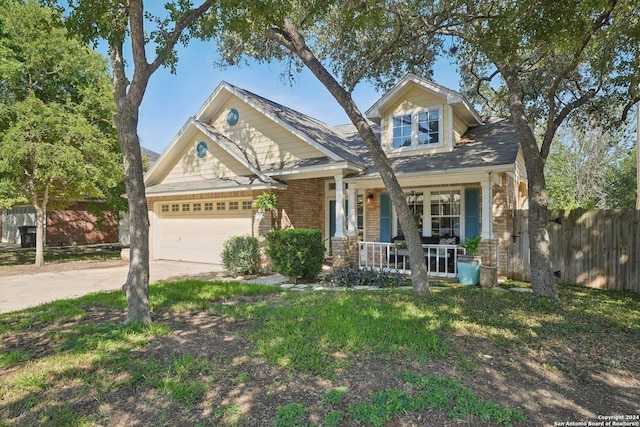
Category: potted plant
<point>266,202</point>
<point>469,263</point>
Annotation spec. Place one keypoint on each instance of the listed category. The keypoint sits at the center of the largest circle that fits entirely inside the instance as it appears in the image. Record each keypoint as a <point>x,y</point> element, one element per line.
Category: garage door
<point>196,239</point>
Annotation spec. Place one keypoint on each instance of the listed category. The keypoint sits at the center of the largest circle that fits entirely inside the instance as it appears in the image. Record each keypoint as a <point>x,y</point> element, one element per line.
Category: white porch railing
<point>441,260</point>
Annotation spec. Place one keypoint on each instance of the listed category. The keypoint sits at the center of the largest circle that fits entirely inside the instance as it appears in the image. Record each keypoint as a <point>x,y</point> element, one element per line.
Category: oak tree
<point>120,23</point>
<point>57,144</point>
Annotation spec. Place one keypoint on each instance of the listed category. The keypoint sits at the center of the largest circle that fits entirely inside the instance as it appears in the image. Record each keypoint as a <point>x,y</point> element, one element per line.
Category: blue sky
<point>171,99</point>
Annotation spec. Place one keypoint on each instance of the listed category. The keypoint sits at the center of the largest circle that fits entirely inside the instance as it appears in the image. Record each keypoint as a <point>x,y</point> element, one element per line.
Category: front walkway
<point>279,280</point>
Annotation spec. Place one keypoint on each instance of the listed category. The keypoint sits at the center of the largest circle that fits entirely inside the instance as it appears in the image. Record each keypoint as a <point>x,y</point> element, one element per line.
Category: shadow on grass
<point>88,371</point>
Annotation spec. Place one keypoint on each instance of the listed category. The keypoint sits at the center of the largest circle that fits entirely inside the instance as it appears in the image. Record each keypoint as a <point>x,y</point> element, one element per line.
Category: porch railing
<point>441,260</point>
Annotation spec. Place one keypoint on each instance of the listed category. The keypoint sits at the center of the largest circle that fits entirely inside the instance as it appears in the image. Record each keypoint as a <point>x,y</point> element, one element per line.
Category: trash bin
<point>27,236</point>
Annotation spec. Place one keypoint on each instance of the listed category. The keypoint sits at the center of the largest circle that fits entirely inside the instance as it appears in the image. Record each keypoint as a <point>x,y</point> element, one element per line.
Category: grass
<point>312,335</point>
<point>56,255</point>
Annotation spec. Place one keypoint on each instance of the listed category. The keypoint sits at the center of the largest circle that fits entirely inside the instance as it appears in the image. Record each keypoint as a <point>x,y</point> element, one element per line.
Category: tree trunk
<point>137,284</point>
<point>40,220</point>
<point>289,36</point>
<point>542,279</point>
<point>126,122</point>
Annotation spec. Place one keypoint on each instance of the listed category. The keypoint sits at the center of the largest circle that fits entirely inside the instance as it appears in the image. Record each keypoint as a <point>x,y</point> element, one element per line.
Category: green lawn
<point>237,354</point>
<point>66,254</point>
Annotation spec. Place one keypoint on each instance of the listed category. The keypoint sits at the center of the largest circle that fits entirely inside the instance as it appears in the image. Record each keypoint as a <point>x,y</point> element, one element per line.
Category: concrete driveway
<point>28,290</point>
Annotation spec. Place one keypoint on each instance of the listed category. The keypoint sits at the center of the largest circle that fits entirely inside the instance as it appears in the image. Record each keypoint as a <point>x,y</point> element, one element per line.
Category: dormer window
<point>418,129</point>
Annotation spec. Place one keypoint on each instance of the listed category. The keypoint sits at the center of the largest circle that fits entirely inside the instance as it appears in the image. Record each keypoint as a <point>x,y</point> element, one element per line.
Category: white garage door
<point>196,239</point>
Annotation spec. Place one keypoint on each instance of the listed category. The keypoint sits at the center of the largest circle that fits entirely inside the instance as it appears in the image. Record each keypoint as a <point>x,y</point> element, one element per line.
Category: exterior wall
<point>14,218</point>
<point>218,163</point>
<point>345,252</point>
<point>302,204</point>
<point>498,250</point>
<point>77,226</point>
<point>372,215</point>
<point>416,98</point>
<point>265,140</point>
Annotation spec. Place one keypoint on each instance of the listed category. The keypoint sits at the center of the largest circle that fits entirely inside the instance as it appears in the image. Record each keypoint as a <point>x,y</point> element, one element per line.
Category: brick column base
<point>345,251</point>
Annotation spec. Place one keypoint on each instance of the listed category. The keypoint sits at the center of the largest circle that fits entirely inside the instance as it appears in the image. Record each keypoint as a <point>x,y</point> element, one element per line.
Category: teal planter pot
<point>469,269</point>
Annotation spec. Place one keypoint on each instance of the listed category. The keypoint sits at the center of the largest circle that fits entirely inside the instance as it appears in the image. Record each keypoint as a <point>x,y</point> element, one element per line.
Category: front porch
<point>441,260</point>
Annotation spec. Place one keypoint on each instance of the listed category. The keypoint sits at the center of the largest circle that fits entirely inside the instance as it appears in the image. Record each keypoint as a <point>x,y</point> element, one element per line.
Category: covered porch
<point>365,233</point>
<point>441,260</point>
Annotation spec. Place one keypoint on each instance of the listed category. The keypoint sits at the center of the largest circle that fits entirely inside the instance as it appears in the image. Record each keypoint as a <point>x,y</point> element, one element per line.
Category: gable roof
<point>489,146</point>
<point>314,132</point>
<point>317,134</point>
<point>461,106</point>
<point>340,148</point>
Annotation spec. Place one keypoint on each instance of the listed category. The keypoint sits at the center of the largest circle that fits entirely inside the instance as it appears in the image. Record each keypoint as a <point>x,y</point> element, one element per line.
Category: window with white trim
<point>415,200</point>
<point>419,129</point>
<point>445,213</point>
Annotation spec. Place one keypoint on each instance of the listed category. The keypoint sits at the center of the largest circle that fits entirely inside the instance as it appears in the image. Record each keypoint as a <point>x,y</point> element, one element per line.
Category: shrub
<point>296,252</point>
<point>241,255</point>
<point>349,278</point>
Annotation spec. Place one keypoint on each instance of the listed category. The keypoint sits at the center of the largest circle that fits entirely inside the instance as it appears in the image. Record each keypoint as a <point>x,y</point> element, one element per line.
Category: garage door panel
<point>196,239</point>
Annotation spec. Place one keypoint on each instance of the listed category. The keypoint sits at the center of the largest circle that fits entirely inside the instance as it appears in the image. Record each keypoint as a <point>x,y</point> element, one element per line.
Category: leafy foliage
<point>241,255</point>
<point>266,202</point>
<point>584,166</point>
<point>622,187</point>
<point>57,142</point>
<point>471,244</point>
<point>296,252</point>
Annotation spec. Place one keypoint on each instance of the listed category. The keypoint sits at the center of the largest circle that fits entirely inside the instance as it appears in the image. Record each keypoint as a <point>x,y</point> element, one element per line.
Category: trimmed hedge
<point>241,255</point>
<point>296,252</point>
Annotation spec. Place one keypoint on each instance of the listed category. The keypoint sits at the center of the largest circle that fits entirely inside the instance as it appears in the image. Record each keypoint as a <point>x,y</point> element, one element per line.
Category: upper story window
<point>420,129</point>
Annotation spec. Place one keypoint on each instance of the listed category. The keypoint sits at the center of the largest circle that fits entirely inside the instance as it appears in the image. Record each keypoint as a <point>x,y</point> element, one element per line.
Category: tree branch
<point>552,126</point>
<point>378,56</point>
<point>174,35</point>
<point>597,24</point>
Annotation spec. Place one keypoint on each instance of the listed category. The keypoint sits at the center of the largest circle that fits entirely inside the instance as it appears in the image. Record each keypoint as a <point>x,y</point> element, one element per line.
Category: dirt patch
<point>562,382</point>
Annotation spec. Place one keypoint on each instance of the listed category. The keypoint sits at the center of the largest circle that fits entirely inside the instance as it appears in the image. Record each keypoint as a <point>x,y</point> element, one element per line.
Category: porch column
<point>339,206</point>
<point>487,207</point>
<point>351,221</point>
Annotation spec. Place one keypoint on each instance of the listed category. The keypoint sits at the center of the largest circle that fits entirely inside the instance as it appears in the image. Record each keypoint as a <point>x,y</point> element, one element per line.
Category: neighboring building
<point>460,174</point>
<point>71,226</point>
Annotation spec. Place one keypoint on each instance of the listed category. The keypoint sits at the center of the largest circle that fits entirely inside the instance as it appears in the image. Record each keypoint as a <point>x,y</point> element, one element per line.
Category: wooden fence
<point>594,248</point>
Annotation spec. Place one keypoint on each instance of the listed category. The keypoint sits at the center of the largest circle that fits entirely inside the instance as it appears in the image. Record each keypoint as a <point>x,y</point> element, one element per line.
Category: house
<point>74,225</point>
<point>460,174</point>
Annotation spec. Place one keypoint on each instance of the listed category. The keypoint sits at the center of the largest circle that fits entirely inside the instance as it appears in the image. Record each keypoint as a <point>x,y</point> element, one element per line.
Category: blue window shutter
<point>471,212</point>
<point>385,218</point>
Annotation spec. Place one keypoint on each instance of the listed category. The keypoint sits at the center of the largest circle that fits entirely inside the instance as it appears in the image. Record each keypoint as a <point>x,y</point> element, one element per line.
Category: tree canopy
<point>57,144</point>
<point>540,62</point>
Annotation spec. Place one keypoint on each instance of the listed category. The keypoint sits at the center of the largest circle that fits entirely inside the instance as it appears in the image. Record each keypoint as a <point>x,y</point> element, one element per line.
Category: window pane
<point>428,127</point>
<point>401,131</point>
<point>445,213</point>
